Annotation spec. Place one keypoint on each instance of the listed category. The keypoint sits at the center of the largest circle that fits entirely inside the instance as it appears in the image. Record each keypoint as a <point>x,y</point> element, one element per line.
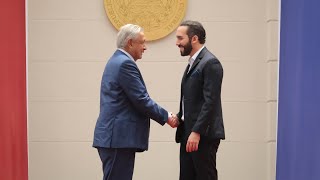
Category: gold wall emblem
<point>157,17</point>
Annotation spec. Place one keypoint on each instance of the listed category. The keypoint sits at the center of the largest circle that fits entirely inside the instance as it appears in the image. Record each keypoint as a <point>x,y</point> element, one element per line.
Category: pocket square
<point>194,74</point>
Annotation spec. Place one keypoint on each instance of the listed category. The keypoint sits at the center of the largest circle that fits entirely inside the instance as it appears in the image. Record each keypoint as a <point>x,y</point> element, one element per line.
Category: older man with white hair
<point>123,125</point>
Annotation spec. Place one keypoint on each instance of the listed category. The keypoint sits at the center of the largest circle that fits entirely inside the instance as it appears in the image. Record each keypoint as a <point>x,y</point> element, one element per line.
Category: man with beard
<point>201,125</point>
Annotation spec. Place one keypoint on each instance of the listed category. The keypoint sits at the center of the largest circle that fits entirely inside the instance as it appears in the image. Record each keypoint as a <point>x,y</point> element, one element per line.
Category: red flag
<point>13,104</point>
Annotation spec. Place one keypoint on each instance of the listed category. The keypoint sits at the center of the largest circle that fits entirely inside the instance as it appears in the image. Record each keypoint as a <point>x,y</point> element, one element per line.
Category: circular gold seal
<point>158,18</point>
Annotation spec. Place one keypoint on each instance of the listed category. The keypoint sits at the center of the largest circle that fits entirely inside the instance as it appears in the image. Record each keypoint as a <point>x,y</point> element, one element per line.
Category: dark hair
<point>195,28</point>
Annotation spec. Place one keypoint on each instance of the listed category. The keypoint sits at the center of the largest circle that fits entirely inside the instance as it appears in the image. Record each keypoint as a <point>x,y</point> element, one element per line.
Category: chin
<point>183,54</point>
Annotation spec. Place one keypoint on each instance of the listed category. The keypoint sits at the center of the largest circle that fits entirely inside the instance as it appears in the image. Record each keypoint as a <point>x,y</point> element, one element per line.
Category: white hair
<point>126,32</point>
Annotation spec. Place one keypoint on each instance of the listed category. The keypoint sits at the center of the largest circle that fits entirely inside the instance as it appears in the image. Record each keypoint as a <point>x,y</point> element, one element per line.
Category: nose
<point>144,47</point>
<point>177,43</point>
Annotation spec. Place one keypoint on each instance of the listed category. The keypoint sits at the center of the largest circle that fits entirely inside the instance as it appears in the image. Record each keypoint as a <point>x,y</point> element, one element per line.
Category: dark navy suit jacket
<point>201,93</point>
<point>125,107</point>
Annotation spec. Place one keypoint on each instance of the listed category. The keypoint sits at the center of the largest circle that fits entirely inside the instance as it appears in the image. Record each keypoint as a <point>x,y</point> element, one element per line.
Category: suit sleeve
<point>213,74</point>
<point>131,81</point>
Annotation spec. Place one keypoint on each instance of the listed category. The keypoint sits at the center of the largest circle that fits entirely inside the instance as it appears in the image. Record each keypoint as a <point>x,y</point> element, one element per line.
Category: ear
<point>195,38</point>
<point>130,44</point>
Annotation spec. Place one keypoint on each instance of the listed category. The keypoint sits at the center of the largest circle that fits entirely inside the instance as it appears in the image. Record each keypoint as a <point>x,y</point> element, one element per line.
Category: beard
<point>186,49</point>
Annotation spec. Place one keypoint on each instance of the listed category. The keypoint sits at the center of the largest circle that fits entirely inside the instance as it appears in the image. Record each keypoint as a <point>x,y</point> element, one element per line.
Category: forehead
<point>182,30</point>
<point>140,36</point>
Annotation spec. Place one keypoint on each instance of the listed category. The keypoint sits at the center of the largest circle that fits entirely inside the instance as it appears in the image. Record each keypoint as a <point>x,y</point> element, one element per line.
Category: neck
<point>128,50</point>
<point>195,48</point>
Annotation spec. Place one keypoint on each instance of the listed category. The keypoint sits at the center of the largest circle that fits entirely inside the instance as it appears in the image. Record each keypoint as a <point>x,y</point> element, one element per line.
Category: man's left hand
<point>193,142</point>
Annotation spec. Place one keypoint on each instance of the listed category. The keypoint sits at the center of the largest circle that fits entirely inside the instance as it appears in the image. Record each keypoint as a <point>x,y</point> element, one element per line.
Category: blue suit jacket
<point>125,107</point>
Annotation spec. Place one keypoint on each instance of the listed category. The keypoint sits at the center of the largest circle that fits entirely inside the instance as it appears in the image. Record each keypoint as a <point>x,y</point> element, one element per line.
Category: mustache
<point>180,46</point>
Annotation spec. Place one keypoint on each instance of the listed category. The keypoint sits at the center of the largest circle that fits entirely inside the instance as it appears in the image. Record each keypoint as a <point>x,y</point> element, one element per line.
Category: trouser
<point>201,164</point>
<point>117,163</point>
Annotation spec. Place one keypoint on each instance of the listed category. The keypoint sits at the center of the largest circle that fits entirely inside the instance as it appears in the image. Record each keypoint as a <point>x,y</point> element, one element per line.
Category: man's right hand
<point>173,120</point>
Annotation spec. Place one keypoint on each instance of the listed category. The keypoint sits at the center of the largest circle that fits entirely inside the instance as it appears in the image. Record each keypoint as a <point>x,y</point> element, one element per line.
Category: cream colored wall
<point>272,19</point>
<point>69,42</point>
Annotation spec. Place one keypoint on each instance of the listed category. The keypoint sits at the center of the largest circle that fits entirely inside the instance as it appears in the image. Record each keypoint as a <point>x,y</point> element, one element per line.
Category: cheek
<point>140,52</point>
<point>183,44</point>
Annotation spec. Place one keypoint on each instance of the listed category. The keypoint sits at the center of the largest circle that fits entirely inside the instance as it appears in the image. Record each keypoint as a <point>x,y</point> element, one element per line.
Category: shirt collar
<point>126,53</point>
<point>194,57</point>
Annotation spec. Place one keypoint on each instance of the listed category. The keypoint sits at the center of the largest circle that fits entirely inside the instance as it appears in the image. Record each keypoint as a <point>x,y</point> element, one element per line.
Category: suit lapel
<point>200,56</point>
<point>185,73</point>
<point>194,64</point>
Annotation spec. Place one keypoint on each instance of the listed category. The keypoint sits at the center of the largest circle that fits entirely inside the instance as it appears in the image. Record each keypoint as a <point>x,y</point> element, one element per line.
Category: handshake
<point>173,120</point>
